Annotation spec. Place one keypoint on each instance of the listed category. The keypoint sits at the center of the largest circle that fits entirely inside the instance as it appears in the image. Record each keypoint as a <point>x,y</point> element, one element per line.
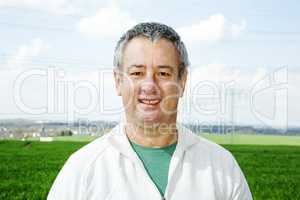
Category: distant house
<point>43,132</point>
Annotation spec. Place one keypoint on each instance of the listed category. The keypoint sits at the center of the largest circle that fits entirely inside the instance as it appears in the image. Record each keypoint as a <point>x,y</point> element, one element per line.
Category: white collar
<point>119,141</point>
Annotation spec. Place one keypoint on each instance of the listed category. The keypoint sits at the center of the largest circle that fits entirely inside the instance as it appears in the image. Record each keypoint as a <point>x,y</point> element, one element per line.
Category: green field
<point>253,139</point>
<point>220,139</point>
<point>28,168</point>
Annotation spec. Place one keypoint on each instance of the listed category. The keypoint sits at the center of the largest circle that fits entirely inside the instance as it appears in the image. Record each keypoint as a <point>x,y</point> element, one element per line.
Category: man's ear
<point>182,81</point>
<point>117,78</point>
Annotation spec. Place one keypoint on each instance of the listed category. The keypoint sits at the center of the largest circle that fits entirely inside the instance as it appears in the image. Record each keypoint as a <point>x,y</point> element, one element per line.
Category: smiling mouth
<point>149,101</point>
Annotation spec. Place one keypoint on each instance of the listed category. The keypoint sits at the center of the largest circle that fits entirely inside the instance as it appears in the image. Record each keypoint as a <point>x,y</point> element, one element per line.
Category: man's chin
<point>147,121</point>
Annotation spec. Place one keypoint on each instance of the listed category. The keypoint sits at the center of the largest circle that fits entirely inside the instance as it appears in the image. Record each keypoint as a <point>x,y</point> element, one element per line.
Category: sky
<point>56,58</point>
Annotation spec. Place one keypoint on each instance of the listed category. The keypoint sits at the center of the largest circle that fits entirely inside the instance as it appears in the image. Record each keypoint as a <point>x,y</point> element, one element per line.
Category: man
<point>147,156</point>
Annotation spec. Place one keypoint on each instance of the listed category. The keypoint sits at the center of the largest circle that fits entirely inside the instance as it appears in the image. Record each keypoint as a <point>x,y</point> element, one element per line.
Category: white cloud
<point>214,28</point>
<point>106,23</point>
<point>25,54</point>
<point>237,29</point>
<point>215,72</point>
<point>53,6</point>
<point>110,21</point>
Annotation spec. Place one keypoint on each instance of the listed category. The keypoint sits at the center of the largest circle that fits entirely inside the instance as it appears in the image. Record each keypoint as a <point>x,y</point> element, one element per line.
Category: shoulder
<point>213,149</point>
<point>206,151</point>
<point>90,152</point>
<point>203,145</point>
<point>223,167</point>
<point>72,180</point>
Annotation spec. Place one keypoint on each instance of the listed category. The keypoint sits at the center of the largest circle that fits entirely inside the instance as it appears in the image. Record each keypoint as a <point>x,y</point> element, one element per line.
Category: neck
<point>154,136</point>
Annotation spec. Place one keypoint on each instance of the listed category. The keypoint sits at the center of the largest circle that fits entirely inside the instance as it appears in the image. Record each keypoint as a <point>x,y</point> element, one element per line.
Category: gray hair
<point>153,31</point>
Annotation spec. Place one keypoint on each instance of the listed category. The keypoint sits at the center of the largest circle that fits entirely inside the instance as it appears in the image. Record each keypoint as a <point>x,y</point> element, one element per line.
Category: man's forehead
<point>140,49</point>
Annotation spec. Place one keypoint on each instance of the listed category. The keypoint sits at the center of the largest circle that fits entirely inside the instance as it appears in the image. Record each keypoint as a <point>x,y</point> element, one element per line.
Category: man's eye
<point>136,73</point>
<point>164,74</point>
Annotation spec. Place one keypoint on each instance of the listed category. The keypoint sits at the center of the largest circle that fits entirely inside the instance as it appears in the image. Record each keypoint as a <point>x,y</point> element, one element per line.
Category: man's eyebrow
<point>165,67</point>
<point>136,66</point>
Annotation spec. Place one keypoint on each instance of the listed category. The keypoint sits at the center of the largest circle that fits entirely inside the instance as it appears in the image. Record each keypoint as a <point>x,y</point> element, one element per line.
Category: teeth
<point>150,102</point>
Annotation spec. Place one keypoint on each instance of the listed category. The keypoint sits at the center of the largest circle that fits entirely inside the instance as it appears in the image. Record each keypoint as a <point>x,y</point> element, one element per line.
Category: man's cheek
<point>129,97</point>
<point>169,103</point>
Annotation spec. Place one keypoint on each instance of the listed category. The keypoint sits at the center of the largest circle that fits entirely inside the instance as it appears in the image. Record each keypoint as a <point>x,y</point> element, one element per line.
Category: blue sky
<point>240,41</point>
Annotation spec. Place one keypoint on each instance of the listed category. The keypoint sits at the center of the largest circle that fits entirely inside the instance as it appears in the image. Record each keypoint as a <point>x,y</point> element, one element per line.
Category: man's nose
<point>149,86</point>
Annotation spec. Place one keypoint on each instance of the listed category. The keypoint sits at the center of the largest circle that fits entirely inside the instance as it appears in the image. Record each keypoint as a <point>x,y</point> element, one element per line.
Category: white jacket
<point>109,169</point>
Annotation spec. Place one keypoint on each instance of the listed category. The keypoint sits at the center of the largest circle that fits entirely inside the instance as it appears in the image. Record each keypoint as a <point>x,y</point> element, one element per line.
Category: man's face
<point>148,81</point>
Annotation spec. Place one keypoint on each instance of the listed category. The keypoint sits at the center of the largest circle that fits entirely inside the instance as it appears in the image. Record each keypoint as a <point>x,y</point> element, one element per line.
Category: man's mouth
<point>149,101</point>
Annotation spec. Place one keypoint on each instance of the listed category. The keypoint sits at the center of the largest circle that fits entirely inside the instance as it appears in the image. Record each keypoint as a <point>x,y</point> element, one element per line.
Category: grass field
<point>253,139</point>
<point>220,139</point>
<point>28,168</point>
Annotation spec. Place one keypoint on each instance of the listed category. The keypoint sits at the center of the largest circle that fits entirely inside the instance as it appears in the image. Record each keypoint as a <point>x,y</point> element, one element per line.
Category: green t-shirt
<point>156,162</point>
